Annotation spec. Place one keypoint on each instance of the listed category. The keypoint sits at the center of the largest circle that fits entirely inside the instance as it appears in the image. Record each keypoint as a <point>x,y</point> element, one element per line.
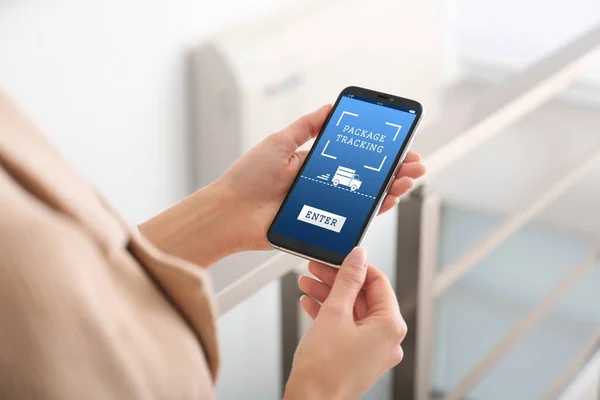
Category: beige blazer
<point>88,309</point>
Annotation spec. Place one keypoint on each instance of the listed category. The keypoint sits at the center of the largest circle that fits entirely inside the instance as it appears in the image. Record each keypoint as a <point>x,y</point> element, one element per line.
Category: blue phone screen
<point>339,184</point>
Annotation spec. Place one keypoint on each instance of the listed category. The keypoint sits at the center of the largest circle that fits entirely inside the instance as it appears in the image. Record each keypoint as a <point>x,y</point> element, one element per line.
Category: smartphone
<point>345,177</point>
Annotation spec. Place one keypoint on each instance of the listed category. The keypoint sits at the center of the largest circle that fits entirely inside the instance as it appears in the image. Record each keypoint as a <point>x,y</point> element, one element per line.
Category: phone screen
<point>339,185</point>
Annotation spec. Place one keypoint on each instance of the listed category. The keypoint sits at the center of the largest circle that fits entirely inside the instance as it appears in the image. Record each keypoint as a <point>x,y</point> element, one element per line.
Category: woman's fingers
<point>305,127</point>
<point>324,272</point>
<point>361,308</point>
<point>301,156</point>
<point>310,306</point>
<point>315,289</point>
<point>411,169</point>
<point>380,294</point>
<point>320,290</point>
<point>389,202</point>
<point>412,156</point>
<point>401,186</point>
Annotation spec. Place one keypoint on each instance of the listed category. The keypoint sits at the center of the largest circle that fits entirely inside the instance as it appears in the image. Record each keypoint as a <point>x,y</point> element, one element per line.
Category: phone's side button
<point>390,183</point>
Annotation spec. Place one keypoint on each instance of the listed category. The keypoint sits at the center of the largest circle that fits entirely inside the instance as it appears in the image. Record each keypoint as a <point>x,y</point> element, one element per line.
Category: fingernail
<point>357,257</point>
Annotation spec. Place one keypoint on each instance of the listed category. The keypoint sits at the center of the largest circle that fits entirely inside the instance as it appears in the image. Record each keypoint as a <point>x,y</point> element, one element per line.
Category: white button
<point>321,218</point>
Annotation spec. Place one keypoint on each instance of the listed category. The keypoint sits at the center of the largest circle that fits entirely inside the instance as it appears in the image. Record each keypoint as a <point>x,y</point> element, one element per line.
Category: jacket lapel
<point>29,156</point>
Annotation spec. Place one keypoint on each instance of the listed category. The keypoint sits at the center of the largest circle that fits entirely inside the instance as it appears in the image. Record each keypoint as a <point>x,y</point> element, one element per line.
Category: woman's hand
<point>356,335</point>
<point>234,213</point>
<point>259,180</point>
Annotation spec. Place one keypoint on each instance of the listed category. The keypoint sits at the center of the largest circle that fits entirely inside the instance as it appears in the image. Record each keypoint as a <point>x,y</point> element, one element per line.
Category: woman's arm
<point>201,229</point>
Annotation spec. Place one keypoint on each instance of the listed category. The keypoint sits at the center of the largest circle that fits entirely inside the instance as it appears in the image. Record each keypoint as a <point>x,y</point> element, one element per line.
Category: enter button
<point>320,218</point>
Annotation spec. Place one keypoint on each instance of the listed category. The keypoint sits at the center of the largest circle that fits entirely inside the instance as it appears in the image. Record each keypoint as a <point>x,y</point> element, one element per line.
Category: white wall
<point>587,384</point>
<point>511,34</point>
<point>108,82</point>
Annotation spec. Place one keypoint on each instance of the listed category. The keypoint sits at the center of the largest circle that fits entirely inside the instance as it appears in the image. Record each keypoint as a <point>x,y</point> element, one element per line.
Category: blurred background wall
<point>109,82</point>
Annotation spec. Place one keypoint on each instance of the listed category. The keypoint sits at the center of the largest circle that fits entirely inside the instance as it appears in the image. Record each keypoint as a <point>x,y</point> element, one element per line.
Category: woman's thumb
<point>349,280</point>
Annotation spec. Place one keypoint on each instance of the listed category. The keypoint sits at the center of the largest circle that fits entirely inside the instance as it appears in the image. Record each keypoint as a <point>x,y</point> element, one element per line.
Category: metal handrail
<point>525,325</point>
<point>453,271</point>
<point>549,77</point>
<point>252,281</point>
<point>505,105</point>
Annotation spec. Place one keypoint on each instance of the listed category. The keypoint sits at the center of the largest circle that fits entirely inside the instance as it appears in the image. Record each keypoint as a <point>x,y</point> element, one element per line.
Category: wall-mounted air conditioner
<point>255,79</point>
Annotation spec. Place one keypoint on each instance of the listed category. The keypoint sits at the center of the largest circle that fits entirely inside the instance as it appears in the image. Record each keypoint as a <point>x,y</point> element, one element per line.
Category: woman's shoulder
<point>75,297</point>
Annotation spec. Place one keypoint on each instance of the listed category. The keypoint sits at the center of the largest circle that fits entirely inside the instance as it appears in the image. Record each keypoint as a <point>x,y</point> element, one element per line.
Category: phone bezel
<point>320,254</point>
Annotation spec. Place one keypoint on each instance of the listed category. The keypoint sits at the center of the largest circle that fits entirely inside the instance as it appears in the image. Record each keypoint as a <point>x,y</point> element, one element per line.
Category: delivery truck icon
<point>346,177</point>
